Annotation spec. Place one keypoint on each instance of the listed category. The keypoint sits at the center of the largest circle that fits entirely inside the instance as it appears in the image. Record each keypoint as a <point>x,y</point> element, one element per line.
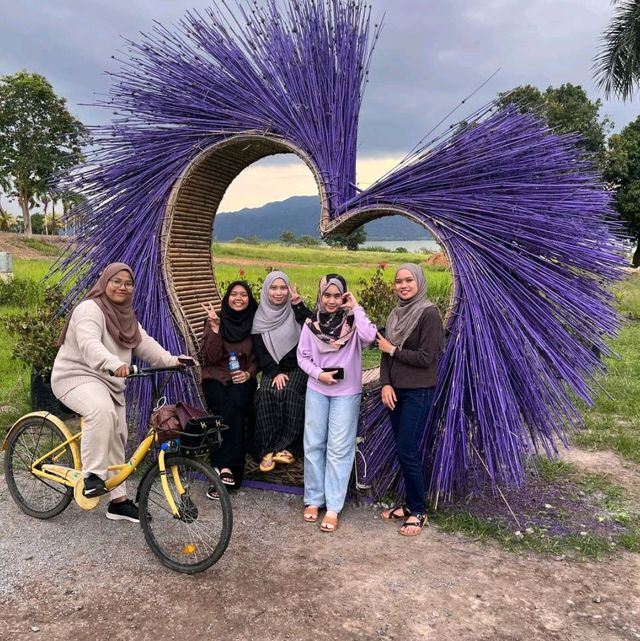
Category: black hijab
<point>236,326</point>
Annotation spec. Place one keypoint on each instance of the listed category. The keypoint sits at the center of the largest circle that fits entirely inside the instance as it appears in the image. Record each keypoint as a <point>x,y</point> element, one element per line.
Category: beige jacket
<point>89,352</point>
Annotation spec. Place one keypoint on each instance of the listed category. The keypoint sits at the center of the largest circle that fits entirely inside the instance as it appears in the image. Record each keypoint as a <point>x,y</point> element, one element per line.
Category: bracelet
<point>393,351</point>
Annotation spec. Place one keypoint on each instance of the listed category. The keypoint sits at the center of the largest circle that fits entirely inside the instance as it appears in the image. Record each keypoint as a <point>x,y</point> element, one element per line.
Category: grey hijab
<point>276,323</point>
<point>404,318</point>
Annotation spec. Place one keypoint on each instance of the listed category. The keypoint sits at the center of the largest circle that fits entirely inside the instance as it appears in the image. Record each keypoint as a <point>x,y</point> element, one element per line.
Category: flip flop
<point>423,521</point>
<point>329,524</point>
<point>283,457</point>
<point>227,478</point>
<point>393,516</point>
<point>310,513</point>
<point>267,463</point>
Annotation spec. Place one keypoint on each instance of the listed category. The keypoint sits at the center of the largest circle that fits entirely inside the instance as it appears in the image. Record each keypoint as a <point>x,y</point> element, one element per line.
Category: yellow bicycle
<point>185,529</point>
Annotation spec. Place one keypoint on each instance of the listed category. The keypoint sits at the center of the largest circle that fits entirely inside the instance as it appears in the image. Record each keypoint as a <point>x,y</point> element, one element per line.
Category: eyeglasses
<point>127,284</point>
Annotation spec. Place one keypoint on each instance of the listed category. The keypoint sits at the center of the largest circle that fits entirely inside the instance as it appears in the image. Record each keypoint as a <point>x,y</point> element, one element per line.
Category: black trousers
<point>233,402</point>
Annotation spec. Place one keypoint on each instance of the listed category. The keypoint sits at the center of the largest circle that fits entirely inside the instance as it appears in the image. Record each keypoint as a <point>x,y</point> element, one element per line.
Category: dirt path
<point>82,577</point>
<point>625,473</point>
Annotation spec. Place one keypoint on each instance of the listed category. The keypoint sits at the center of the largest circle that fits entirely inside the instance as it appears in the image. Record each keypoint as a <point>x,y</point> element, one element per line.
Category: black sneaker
<point>94,486</point>
<point>125,510</point>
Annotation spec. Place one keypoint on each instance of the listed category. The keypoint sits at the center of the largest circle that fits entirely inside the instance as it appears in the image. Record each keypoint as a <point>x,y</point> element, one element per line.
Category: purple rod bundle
<point>523,217</point>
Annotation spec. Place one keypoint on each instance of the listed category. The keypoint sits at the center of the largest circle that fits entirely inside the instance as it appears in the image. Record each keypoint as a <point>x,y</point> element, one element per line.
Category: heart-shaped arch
<point>521,213</point>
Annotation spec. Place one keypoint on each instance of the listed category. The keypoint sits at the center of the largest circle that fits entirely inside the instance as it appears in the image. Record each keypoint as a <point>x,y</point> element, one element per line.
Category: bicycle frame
<point>66,476</point>
<point>70,477</point>
<point>186,532</point>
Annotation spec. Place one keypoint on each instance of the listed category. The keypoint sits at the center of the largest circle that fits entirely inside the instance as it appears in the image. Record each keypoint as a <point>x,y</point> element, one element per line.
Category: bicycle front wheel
<point>195,539</point>
<point>29,442</point>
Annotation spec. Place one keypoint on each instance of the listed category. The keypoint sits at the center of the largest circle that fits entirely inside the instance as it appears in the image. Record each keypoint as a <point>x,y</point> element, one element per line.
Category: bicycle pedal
<point>84,502</point>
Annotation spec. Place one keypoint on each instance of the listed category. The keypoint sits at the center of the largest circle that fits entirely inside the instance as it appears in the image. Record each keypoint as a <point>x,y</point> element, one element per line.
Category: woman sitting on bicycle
<point>230,393</point>
<point>96,345</point>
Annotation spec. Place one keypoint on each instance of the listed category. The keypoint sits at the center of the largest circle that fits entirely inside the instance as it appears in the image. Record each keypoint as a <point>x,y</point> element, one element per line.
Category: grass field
<point>304,266</point>
<point>612,423</point>
<point>312,255</point>
<point>614,420</point>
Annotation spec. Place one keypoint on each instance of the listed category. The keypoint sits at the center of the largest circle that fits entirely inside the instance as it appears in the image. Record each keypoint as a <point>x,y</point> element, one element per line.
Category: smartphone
<point>339,375</point>
<point>381,331</point>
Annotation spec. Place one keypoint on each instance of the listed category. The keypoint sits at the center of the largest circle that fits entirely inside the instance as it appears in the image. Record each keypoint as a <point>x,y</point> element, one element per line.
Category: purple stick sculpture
<point>523,217</point>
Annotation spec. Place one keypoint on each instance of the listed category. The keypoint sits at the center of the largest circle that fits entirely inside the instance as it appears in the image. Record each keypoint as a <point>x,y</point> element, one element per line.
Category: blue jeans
<point>408,420</point>
<point>330,427</point>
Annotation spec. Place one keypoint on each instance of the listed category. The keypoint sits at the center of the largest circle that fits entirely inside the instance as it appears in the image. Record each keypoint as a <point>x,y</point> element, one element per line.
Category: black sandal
<point>227,478</point>
<point>423,521</point>
<point>397,517</point>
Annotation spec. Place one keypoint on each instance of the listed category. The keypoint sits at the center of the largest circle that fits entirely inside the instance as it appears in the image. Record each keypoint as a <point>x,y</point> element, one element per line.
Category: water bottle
<point>234,363</point>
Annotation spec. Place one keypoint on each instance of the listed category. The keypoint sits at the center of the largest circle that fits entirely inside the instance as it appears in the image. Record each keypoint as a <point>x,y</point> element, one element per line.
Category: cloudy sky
<point>431,55</point>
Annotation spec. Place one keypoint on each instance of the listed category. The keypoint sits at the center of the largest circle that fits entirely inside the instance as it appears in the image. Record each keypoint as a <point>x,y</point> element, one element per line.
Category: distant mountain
<point>301,215</point>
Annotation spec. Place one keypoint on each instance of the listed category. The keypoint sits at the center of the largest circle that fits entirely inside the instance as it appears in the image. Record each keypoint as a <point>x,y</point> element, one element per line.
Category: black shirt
<point>289,361</point>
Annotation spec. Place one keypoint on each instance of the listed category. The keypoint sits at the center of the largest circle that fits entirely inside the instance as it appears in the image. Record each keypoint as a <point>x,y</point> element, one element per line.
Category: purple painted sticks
<point>524,219</point>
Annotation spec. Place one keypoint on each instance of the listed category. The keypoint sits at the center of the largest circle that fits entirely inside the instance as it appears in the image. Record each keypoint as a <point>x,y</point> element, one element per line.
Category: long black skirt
<point>280,414</point>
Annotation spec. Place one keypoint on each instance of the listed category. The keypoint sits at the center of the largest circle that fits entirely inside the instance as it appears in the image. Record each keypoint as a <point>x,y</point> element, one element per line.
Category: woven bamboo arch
<point>187,229</point>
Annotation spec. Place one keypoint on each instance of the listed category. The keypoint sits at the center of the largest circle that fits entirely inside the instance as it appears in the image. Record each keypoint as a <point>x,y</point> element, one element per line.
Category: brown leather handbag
<point>167,423</point>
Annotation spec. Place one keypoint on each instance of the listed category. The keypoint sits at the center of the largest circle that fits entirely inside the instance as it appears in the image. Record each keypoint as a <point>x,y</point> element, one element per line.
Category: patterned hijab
<point>276,323</point>
<point>120,318</point>
<point>333,330</point>
<point>405,316</point>
<point>235,325</point>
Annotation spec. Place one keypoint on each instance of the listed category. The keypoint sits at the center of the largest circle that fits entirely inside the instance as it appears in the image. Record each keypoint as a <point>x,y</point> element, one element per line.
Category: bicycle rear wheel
<point>32,439</point>
<point>196,539</point>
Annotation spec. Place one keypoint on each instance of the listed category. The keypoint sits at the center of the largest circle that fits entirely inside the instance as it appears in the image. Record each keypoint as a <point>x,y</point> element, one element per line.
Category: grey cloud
<point>430,56</point>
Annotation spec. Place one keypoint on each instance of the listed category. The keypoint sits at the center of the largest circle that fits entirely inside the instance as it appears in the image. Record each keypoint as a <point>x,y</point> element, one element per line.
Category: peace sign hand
<point>295,296</point>
<point>214,319</point>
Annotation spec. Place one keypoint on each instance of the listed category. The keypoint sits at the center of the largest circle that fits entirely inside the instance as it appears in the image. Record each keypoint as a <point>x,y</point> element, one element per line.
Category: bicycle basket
<point>201,435</point>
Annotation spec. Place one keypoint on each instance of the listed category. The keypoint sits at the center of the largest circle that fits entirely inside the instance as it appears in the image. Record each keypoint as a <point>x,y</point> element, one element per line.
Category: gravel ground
<point>80,576</point>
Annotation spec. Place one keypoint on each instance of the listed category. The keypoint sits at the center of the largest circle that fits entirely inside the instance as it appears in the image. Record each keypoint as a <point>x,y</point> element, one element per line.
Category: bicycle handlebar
<point>141,372</point>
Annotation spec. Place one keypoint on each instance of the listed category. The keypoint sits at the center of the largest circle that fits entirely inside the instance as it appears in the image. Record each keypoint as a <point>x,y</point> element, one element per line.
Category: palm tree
<point>617,64</point>
<point>7,221</point>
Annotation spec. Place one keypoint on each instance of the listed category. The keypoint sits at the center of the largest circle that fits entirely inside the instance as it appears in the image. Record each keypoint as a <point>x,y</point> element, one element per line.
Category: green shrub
<point>376,296</point>
<point>21,292</point>
<point>377,248</point>
<point>37,331</point>
<point>42,246</point>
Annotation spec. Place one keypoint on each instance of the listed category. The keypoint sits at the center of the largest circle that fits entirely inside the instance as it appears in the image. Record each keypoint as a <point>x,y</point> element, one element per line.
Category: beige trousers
<point>104,433</point>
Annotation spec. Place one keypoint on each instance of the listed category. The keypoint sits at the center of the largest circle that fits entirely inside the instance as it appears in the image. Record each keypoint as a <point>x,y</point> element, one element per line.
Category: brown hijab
<point>121,320</point>
<point>404,318</point>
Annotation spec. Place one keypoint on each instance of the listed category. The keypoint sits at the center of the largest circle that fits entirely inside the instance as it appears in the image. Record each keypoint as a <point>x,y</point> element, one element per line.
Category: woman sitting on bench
<point>279,402</point>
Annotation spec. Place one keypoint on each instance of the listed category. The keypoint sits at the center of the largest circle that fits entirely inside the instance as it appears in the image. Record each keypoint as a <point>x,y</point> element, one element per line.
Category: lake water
<point>412,245</point>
